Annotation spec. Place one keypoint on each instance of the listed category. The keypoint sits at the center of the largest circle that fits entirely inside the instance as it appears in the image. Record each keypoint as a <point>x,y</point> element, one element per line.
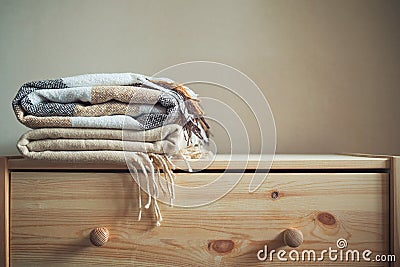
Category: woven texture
<point>146,152</point>
<point>99,145</point>
<point>114,101</point>
<point>122,118</point>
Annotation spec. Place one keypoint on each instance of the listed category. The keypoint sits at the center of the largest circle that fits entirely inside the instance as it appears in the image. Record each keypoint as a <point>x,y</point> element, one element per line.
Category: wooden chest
<point>49,209</point>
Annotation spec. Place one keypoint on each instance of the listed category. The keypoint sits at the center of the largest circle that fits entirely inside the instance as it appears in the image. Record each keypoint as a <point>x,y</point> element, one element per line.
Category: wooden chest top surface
<point>222,161</point>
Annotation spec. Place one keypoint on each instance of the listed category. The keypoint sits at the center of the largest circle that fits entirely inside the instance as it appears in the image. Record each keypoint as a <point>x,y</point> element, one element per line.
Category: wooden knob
<point>99,236</point>
<point>292,237</point>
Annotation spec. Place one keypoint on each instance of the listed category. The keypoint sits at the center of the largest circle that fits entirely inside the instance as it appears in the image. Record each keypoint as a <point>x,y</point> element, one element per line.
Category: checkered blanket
<point>114,101</point>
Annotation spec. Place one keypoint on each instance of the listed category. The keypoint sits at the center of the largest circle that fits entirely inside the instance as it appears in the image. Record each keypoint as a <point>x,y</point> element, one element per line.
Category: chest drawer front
<point>52,215</point>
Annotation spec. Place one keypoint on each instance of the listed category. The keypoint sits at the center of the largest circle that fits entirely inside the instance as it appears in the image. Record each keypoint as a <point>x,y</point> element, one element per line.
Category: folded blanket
<point>114,101</point>
<point>99,145</point>
<point>115,118</point>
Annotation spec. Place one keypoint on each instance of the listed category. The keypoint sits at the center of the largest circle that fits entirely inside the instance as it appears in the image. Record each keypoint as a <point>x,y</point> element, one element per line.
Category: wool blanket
<point>113,101</point>
<point>99,145</point>
<point>123,118</point>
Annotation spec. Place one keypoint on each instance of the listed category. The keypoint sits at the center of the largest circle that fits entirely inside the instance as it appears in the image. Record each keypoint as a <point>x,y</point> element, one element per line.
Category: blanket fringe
<point>151,165</point>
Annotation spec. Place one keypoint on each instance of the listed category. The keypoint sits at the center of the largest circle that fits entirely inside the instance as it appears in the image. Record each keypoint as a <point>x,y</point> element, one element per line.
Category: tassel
<point>151,166</point>
<point>139,193</point>
<point>147,184</point>
<point>157,212</point>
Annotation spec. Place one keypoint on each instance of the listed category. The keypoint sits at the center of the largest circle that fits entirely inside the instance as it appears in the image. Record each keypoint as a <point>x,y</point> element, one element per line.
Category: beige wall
<point>330,69</point>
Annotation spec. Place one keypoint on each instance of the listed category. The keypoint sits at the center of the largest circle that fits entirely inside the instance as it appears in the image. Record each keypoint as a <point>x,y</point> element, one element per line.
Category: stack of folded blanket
<point>116,118</point>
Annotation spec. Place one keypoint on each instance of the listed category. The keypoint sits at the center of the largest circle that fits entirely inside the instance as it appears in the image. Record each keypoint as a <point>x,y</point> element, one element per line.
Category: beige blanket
<point>99,145</point>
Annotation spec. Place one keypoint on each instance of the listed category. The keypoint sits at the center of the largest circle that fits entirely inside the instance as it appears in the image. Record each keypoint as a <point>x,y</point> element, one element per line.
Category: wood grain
<point>222,162</point>
<point>4,213</point>
<point>394,211</point>
<point>53,214</point>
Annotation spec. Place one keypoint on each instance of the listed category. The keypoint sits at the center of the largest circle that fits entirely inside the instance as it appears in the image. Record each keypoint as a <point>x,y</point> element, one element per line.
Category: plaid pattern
<point>149,104</point>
